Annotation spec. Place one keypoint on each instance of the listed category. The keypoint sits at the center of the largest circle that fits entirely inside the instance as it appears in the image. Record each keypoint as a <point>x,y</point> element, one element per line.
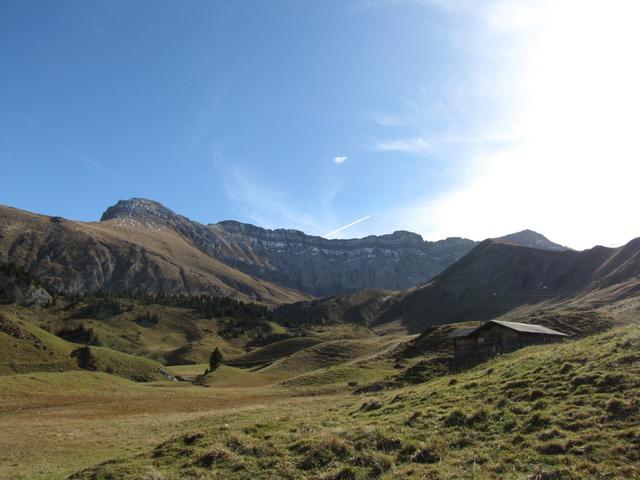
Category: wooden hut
<point>494,337</point>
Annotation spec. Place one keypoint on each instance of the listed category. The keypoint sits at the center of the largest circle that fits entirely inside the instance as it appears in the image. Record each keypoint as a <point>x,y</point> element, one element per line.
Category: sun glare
<point>576,121</point>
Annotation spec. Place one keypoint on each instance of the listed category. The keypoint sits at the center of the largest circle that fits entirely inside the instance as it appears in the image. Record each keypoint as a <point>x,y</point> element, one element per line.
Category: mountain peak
<point>530,238</point>
<point>141,209</point>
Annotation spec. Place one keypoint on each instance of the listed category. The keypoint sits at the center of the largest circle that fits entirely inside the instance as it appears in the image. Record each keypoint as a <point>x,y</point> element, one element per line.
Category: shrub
<point>85,358</point>
<point>347,473</point>
<point>619,408</point>
<point>462,441</point>
<point>371,405</point>
<point>610,381</point>
<point>549,434</point>
<point>406,452</point>
<point>566,368</point>
<point>539,405</point>
<point>536,394</point>
<point>584,380</point>
<point>456,418</point>
<point>516,384</point>
<point>147,319</point>
<point>385,443</point>
<point>248,449</point>
<point>212,457</point>
<point>412,419</point>
<point>481,416</point>
<point>425,455</point>
<point>79,334</point>
<point>536,422</point>
<point>552,448</point>
<point>509,425</point>
<point>322,453</point>
<point>192,438</point>
<point>376,463</point>
<point>102,308</point>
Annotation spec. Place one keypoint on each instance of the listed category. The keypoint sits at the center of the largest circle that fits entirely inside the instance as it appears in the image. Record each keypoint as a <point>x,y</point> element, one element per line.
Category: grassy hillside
<point>325,354</point>
<point>26,348</point>
<point>168,334</point>
<point>274,351</point>
<point>555,412</point>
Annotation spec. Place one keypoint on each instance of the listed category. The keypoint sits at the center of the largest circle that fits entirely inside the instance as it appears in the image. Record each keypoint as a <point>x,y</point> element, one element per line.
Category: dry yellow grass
<point>54,424</point>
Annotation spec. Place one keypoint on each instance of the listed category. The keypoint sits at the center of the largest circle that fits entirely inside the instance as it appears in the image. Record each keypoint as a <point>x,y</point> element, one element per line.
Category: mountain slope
<point>140,245</point>
<point>142,257</point>
<point>496,277</point>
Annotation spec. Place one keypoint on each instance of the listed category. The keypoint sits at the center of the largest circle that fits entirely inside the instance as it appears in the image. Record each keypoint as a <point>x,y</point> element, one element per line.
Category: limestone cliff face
<point>325,267</point>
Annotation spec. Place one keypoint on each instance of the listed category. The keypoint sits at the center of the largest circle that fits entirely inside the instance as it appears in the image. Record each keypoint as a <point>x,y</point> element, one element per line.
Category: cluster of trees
<point>209,306</point>
<point>212,306</point>
<point>235,317</point>
<point>104,307</point>
<point>79,334</point>
<point>147,319</point>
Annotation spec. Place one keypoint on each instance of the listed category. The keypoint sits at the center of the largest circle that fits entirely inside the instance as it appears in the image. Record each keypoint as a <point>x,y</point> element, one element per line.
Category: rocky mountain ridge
<point>312,264</point>
<point>141,245</point>
<point>325,267</point>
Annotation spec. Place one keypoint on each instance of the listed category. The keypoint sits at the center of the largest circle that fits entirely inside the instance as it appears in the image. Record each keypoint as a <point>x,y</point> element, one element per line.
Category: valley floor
<point>569,411</point>
<point>54,424</point>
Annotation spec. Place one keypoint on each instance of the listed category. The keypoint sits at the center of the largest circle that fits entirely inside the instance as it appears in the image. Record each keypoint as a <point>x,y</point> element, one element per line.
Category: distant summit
<point>142,210</point>
<point>529,238</point>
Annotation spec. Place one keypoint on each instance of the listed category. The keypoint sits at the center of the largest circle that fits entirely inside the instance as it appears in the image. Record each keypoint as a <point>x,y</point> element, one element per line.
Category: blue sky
<point>313,115</point>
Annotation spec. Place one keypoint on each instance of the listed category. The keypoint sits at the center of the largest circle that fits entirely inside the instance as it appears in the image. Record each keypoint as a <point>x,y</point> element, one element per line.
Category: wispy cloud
<point>87,159</point>
<point>347,226</point>
<point>340,160</point>
<point>416,145</point>
<point>266,205</point>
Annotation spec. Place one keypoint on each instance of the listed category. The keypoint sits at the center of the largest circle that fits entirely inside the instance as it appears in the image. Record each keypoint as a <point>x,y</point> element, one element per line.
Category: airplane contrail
<point>347,226</point>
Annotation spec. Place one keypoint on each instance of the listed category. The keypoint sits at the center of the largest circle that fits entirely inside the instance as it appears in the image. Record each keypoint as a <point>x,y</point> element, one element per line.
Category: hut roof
<point>519,327</point>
